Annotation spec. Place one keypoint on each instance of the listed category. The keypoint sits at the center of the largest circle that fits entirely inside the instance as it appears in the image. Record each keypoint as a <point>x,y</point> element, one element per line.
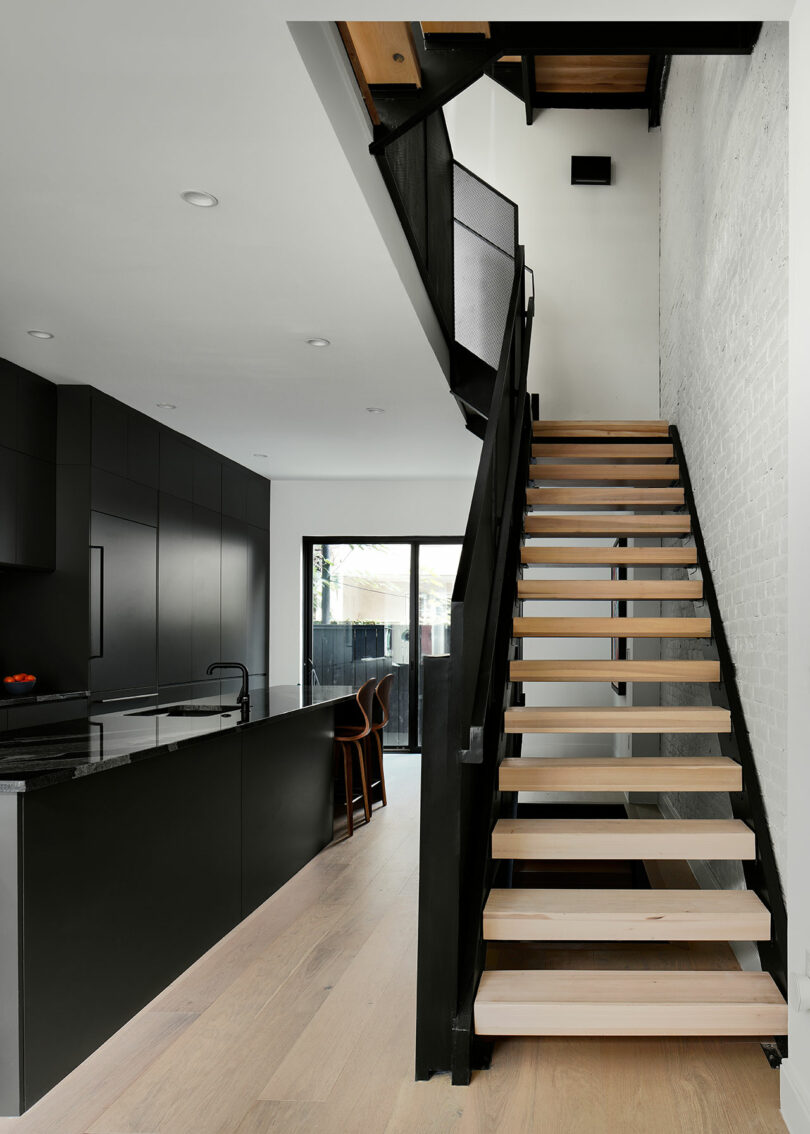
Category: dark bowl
<point>18,688</point>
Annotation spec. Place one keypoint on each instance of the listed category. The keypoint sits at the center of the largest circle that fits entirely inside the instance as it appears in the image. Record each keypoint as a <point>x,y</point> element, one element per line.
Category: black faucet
<point>243,700</point>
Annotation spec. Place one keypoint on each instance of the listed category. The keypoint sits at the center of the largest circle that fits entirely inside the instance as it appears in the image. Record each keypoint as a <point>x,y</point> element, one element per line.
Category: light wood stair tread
<point>540,627</point>
<point>609,589</point>
<point>633,450</point>
<point>618,718</point>
<point>612,525</point>
<point>584,669</point>
<point>608,556</point>
<point>620,773</point>
<point>603,472</point>
<point>616,1003</point>
<point>625,915</point>
<point>580,428</point>
<point>596,497</point>
<point>623,838</point>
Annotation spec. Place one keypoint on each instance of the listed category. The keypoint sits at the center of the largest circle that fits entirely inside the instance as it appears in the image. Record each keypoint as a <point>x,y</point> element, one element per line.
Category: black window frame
<point>307,543</point>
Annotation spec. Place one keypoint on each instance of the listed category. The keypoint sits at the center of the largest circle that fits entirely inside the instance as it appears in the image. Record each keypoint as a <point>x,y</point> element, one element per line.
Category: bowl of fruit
<point>18,684</point>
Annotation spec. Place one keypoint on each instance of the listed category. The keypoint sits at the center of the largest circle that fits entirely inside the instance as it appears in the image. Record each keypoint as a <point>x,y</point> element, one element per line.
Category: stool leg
<point>363,780</point>
<point>378,738</point>
<point>347,779</point>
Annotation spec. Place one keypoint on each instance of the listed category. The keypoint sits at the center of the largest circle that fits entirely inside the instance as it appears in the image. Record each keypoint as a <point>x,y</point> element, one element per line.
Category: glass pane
<point>361,621</point>
<point>438,565</point>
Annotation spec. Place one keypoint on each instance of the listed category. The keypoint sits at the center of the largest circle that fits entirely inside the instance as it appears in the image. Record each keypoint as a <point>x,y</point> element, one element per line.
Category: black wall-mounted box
<point>590,171</point>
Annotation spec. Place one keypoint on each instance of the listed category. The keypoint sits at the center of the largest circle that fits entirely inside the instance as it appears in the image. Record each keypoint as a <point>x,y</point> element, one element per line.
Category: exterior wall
<point>724,373</point>
<point>594,250</point>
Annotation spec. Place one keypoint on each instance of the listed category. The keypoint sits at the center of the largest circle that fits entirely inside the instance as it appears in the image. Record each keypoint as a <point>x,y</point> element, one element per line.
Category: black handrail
<point>465,695</point>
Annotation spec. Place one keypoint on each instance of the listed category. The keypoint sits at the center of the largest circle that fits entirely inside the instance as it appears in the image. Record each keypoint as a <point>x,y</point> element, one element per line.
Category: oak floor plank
<point>314,1063</point>
<point>74,1103</point>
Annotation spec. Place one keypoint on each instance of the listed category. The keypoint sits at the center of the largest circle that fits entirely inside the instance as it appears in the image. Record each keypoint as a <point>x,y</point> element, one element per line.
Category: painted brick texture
<point>724,370</point>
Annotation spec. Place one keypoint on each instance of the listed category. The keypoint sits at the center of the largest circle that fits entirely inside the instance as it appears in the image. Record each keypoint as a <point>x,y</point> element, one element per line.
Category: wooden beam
<point>386,52</point>
<point>368,99</point>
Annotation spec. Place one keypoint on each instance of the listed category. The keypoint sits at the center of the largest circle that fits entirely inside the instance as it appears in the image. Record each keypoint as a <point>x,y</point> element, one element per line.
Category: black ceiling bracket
<point>528,84</point>
<point>657,77</point>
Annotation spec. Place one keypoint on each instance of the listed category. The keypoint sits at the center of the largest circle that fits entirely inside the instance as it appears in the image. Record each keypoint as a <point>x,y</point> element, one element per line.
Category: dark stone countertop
<point>48,754</point>
<point>40,698</point>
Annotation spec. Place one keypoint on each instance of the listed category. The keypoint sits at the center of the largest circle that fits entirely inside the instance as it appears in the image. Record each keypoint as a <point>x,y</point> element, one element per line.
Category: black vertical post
<point>439,841</point>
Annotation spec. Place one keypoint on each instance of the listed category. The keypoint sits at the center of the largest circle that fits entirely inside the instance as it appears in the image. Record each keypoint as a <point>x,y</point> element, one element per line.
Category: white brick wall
<point>724,286</point>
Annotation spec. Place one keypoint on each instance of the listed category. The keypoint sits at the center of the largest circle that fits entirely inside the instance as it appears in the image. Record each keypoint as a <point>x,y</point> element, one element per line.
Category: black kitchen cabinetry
<point>204,573</point>
<point>27,469</point>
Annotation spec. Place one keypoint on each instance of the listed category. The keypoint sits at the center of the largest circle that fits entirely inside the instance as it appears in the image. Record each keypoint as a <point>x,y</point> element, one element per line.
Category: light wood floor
<point>301,1021</point>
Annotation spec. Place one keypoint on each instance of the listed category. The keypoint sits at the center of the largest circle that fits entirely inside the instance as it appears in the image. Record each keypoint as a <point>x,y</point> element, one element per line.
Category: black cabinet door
<point>143,446</point>
<point>109,437</point>
<point>8,506</point>
<point>36,512</point>
<point>257,591</point>
<point>174,590</point>
<point>234,594</point>
<point>124,599</point>
<point>36,416</point>
<point>205,590</point>
<point>176,466</point>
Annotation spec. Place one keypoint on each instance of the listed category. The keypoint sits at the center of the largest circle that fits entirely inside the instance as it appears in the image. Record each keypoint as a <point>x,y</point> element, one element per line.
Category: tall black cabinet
<point>161,561</point>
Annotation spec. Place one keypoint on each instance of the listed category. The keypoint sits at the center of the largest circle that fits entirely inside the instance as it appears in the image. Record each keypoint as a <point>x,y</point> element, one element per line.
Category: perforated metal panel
<point>479,207</point>
<point>484,276</point>
<point>484,249</point>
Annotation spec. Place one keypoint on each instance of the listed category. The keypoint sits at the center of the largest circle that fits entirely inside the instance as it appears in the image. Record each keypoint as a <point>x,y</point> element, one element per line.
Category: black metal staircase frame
<point>761,873</point>
<point>465,696</point>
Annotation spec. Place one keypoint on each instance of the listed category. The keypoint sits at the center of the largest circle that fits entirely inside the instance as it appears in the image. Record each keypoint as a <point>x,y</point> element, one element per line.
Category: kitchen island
<point>130,843</point>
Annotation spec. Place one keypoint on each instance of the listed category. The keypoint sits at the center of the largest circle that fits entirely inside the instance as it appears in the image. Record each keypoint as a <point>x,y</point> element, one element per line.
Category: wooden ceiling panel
<point>591,74</point>
<point>385,52</point>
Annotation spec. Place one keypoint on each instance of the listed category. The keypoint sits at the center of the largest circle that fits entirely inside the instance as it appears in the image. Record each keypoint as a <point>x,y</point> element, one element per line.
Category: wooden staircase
<point>616,465</point>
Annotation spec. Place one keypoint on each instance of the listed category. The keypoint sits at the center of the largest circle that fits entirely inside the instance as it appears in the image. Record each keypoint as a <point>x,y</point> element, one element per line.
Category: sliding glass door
<point>373,608</point>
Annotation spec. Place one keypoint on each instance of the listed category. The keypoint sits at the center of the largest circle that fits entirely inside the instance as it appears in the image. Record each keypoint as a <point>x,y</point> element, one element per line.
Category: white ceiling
<point>111,110</point>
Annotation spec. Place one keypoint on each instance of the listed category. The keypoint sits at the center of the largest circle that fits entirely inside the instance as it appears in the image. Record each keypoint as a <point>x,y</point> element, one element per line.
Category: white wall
<point>376,508</point>
<point>724,370</point>
<point>795,1075</point>
<point>594,250</point>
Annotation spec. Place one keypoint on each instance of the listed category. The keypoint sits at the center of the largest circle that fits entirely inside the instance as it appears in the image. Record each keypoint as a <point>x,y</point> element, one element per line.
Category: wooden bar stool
<point>349,736</point>
<point>379,719</point>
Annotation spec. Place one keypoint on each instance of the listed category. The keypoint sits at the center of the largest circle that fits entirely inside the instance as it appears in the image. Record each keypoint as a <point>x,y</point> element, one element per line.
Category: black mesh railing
<point>485,242</point>
<point>462,232</point>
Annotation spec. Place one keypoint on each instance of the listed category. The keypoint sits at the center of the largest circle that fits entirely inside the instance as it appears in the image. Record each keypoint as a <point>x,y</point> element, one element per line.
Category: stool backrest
<point>365,699</point>
<point>382,701</point>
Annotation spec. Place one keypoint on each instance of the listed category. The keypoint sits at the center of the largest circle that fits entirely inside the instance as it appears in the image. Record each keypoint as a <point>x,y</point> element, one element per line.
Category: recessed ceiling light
<point>202,200</point>
<point>165,405</point>
<point>318,342</point>
<point>262,455</point>
<point>374,409</point>
<point>40,334</point>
